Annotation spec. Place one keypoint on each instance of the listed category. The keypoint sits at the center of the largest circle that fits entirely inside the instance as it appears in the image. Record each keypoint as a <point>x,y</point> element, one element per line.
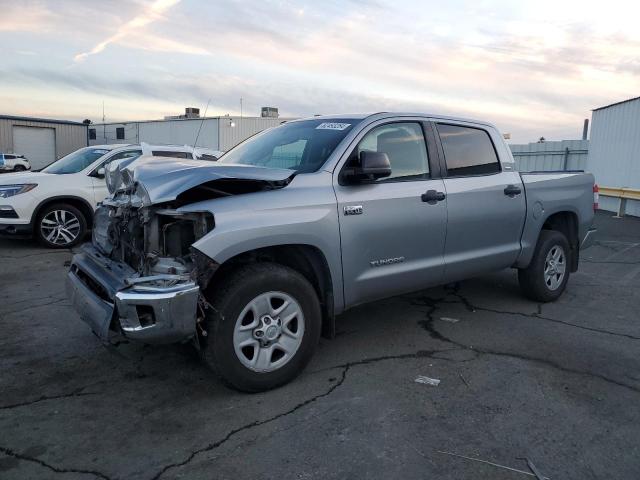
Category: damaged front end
<point>140,276</point>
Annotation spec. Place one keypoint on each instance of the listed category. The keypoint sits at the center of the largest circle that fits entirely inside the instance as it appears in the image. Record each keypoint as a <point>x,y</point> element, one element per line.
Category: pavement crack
<point>345,368</point>
<point>76,393</point>
<point>26,458</point>
<point>254,424</point>
<point>30,307</point>
<point>455,291</point>
<point>428,324</point>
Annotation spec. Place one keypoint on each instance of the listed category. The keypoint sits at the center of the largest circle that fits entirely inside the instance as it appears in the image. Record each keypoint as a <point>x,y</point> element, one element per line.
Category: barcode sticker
<point>333,126</point>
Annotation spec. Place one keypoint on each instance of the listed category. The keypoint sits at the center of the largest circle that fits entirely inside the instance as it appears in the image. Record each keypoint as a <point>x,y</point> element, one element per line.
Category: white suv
<point>10,162</point>
<point>56,204</point>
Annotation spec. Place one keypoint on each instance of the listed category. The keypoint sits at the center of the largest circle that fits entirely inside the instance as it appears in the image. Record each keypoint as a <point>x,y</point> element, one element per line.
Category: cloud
<point>151,13</point>
<point>29,17</point>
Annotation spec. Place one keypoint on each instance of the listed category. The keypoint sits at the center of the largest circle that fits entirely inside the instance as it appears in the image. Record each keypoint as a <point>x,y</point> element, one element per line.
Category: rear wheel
<point>547,275</point>
<point>19,168</point>
<point>60,226</point>
<point>263,328</point>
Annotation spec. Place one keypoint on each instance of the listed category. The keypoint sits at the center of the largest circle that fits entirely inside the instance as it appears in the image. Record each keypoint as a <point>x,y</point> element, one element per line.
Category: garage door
<point>37,144</point>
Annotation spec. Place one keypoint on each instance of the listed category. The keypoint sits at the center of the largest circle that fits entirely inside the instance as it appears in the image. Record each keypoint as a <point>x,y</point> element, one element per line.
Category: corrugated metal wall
<point>614,155</point>
<point>218,133</point>
<point>181,132</point>
<point>69,137</point>
<point>243,128</point>
<point>551,155</point>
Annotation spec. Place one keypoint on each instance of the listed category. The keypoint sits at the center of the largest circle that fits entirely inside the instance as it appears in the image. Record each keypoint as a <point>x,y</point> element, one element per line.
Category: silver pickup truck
<point>252,258</point>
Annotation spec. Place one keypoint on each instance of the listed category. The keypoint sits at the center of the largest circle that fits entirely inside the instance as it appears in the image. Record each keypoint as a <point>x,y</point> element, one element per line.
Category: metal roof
<point>617,103</point>
<point>44,120</point>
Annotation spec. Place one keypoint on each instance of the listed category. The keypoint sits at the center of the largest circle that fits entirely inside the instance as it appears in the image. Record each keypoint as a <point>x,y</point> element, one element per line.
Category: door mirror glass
<point>371,166</point>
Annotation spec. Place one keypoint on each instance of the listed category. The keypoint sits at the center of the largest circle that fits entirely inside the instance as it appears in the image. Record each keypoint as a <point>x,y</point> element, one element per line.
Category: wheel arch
<point>80,203</point>
<point>306,259</point>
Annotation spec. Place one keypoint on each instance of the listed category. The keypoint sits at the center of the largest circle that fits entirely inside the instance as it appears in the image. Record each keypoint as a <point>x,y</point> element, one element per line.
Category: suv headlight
<point>7,191</point>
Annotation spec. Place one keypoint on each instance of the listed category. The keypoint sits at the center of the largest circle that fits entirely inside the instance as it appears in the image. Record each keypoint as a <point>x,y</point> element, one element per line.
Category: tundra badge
<point>353,210</point>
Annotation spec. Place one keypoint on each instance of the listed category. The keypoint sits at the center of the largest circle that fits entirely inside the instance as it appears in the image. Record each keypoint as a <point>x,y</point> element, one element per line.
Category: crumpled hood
<point>164,179</point>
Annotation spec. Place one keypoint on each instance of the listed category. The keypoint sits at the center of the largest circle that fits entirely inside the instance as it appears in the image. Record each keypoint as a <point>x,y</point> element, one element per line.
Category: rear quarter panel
<point>549,193</point>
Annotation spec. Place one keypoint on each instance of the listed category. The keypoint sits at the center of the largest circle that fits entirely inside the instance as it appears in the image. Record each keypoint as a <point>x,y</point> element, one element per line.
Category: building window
<point>120,133</point>
<point>92,134</point>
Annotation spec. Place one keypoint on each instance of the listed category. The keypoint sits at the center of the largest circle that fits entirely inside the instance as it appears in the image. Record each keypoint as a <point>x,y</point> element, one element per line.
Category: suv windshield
<point>76,161</point>
<point>302,146</point>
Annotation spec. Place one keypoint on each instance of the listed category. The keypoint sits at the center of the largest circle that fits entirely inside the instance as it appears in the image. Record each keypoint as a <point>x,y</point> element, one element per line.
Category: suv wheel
<point>19,168</point>
<point>60,226</point>
<point>546,277</point>
<point>263,328</point>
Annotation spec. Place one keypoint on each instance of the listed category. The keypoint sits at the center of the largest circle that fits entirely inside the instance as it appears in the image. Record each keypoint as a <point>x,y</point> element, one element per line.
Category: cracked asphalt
<point>556,383</point>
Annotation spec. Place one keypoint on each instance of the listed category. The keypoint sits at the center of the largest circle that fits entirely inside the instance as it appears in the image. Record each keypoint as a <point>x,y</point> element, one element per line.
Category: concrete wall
<point>614,154</point>
<point>551,155</point>
<point>69,136</point>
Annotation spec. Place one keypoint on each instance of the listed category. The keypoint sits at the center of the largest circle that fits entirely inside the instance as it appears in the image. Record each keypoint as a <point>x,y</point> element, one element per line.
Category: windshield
<point>76,161</point>
<point>301,146</point>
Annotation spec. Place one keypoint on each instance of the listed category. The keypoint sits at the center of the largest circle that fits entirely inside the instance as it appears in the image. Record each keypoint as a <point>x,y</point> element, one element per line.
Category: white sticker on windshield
<point>333,126</point>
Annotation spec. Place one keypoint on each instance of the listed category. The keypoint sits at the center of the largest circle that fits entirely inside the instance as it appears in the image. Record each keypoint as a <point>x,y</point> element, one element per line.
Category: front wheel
<point>60,226</point>
<point>262,327</point>
<point>19,168</point>
<point>547,275</point>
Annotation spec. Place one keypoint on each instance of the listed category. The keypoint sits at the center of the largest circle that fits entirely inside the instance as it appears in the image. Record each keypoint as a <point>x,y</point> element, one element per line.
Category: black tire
<point>64,207</point>
<point>229,298</point>
<point>19,168</point>
<point>532,279</point>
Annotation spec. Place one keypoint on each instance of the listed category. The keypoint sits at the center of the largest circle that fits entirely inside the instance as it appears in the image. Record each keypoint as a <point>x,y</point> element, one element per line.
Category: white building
<point>614,151</point>
<point>217,133</point>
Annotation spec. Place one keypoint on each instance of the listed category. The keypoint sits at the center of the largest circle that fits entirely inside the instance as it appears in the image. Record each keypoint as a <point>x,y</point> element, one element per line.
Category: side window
<point>405,146</point>
<point>467,151</point>
<point>92,134</point>
<point>9,157</point>
<point>119,133</point>
<point>173,154</point>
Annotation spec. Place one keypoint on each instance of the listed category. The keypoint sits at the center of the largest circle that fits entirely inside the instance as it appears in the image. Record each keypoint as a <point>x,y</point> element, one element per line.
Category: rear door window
<point>165,153</point>
<point>467,150</point>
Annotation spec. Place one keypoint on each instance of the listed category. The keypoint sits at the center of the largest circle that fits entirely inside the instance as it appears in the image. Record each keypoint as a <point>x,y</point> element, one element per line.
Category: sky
<point>534,68</point>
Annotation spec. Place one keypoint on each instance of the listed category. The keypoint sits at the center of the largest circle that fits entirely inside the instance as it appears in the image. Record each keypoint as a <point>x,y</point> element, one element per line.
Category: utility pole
<point>104,128</point>
<point>240,108</point>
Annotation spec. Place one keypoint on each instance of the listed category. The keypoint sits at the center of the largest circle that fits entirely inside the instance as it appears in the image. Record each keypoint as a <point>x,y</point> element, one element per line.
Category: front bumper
<point>15,230</point>
<point>111,298</point>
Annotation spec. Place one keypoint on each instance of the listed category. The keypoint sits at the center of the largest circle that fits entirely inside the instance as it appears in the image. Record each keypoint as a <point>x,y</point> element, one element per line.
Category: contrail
<point>151,13</point>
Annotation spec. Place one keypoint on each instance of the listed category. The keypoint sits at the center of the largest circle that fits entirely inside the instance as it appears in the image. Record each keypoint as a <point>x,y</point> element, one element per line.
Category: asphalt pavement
<point>558,384</point>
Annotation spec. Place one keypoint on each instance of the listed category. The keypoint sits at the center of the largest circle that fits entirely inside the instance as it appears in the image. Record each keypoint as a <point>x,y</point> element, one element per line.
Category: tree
<point>86,121</point>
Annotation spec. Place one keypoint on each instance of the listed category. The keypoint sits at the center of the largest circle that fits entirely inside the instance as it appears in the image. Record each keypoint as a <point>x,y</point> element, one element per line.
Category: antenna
<point>201,123</point>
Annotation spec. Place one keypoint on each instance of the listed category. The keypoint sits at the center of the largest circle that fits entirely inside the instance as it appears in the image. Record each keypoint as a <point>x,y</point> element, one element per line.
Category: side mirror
<point>372,165</point>
<point>100,173</point>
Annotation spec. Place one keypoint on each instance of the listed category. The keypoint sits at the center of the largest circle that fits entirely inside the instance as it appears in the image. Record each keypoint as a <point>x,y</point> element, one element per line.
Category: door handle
<point>432,197</point>
<point>512,190</point>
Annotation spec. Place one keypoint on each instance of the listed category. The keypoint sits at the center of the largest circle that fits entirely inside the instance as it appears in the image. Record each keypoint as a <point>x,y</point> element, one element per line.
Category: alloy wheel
<point>60,227</point>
